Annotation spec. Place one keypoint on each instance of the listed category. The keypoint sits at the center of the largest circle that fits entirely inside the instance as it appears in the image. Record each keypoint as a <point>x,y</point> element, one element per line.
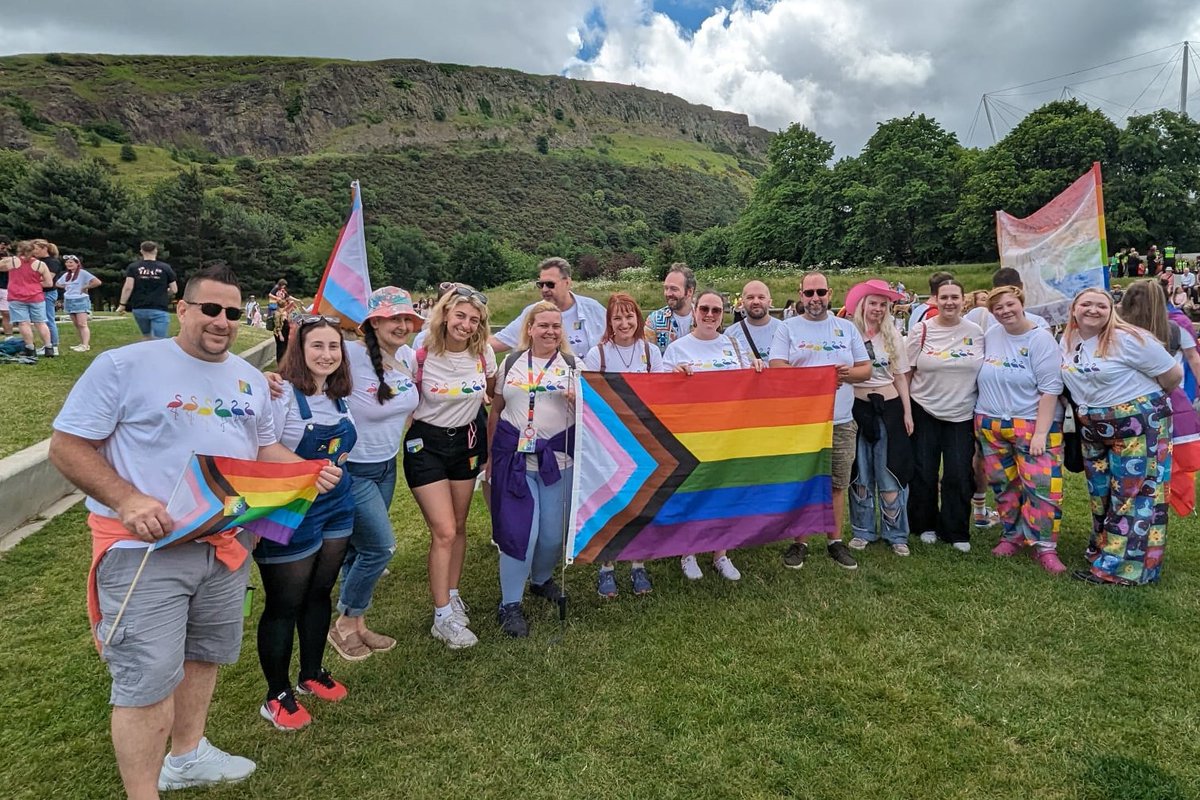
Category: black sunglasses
<point>214,310</point>
<point>817,292</point>
<point>545,284</point>
<point>468,292</point>
<point>309,319</point>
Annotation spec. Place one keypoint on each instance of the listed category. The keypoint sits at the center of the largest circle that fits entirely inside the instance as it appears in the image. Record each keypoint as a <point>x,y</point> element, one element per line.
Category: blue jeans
<point>51,322</point>
<point>151,322</point>
<point>872,477</point>
<point>544,551</point>
<point>372,542</point>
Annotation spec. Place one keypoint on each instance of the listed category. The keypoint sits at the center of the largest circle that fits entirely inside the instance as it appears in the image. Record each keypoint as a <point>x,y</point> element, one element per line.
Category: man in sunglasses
<point>813,339</point>
<point>125,436</point>
<point>149,286</point>
<point>583,319</point>
<point>675,319</point>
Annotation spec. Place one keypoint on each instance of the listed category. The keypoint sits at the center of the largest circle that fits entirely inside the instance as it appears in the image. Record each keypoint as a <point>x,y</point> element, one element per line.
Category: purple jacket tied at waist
<point>512,505</point>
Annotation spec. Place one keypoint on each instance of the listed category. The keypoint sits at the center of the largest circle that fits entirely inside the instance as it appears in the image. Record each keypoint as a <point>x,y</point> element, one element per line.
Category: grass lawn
<point>45,386</point>
<point>936,676</point>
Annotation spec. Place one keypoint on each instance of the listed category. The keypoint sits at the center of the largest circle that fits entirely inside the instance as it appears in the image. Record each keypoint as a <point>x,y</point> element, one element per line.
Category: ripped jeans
<point>872,477</point>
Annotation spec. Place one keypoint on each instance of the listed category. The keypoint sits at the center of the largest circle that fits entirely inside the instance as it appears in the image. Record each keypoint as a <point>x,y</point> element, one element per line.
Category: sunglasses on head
<point>468,292</point>
<point>309,319</point>
<point>215,309</point>
<point>545,284</point>
<point>817,292</point>
<point>711,309</point>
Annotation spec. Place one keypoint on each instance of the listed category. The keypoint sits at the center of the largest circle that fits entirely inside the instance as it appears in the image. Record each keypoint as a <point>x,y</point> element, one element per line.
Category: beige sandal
<point>349,647</point>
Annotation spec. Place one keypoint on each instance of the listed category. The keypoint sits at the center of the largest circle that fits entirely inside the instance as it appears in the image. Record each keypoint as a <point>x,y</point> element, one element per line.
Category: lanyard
<point>534,384</point>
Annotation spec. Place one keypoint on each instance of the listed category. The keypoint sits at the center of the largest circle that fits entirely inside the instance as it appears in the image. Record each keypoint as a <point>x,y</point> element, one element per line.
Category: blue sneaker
<point>640,580</point>
<point>606,583</point>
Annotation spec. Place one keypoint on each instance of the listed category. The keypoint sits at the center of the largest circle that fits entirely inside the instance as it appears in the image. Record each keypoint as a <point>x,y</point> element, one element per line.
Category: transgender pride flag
<point>669,464</point>
<point>346,285</point>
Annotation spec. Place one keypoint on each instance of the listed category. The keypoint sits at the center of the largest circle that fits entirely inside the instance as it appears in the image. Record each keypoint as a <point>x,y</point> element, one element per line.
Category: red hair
<point>619,302</point>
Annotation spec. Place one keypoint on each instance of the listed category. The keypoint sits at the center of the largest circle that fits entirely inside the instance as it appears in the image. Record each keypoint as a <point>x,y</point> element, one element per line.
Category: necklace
<point>632,354</point>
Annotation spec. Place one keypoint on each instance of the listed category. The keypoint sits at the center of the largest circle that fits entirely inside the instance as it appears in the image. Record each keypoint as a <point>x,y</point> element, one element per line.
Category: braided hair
<point>384,392</point>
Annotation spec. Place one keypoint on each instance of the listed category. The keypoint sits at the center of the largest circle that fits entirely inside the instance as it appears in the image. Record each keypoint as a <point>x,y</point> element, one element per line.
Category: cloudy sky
<point>837,66</point>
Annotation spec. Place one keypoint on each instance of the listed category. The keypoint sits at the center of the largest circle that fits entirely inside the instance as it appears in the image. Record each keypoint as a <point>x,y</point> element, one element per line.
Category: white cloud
<point>776,63</point>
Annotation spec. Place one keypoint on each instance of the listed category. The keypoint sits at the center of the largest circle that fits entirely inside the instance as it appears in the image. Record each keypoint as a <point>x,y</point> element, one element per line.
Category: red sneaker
<point>323,687</point>
<point>285,713</point>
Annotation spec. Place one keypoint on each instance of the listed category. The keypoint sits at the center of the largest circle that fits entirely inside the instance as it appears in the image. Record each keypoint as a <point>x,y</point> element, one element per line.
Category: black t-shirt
<point>150,282</point>
<point>56,268</point>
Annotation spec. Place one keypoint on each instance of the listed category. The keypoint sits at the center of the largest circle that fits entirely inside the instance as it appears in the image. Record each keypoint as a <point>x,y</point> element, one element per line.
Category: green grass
<point>936,676</point>
<point>45,386</point>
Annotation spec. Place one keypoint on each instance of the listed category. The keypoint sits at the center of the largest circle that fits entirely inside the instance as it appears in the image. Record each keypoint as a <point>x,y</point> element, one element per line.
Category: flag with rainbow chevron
<point>671,464</point>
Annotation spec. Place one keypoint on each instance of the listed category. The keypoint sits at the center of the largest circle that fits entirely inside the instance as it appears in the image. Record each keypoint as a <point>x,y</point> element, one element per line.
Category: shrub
<point>109,130</point>
<point>543,144</point>
<point>402,83</point>
<point>128,153</point>
<point>558,114</point>
<point>439,113</point>
<point>485,107</point>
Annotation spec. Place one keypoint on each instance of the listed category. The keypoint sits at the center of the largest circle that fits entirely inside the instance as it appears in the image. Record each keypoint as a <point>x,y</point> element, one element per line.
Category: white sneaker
<point>962,547</point>
<point>929,537</point>
<point>900,549</point>
<point>691,570</point>
<point>858,543</point>
<point>211,765</point>
<point>80,348</point>
<point>451,631</point>
<point>460,609</point>
<point>728,571</point>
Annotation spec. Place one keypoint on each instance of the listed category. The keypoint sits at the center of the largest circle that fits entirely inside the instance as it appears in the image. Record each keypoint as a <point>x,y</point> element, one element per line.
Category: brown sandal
<point>350,647</point>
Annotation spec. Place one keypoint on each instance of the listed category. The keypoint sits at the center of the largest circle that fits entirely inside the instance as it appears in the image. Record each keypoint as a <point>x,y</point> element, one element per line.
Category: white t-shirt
<point>550,413</point>
<point>829,342</point>
<point>883,369</point>
<point>1128,370</point>
<point>289,425</point>
<point>763,335</point>
<point>154,405</point>
<point>682,324</point>
<point>419,340</point>
<point>380,426</point>
<point>1016,372</point>
<point>1187,280</point>
<point>73,290</point>
<point>1186,340</point>
<point>944,368</point>
<point>625,359</point>
<point>453,387</point>
<point>583,325</point>
<point>705,355</point>
<point>984,319</point>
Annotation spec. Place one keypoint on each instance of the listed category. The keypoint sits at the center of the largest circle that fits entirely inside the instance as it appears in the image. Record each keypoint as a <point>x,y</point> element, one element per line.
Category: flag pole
<point>121,611</point>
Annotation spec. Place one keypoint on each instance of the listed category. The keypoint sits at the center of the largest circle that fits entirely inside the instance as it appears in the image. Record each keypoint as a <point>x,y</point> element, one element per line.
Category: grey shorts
<point>187,606</point>
<point>845,443</point>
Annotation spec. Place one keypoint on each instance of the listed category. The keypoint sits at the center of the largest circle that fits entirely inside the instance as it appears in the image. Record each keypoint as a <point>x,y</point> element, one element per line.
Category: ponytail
<point>384,392</point>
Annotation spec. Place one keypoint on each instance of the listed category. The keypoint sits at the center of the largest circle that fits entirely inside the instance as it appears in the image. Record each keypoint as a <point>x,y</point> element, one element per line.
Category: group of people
<point>32,276</point>
<point>966,397</point>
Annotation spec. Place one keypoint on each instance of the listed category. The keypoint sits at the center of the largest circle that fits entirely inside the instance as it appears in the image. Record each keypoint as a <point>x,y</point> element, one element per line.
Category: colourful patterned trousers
<point>1127,458</point>
<point>1028,488</point>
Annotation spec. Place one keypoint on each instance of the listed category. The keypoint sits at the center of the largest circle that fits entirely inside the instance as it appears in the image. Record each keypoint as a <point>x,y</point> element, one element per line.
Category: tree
<point>475,259</point>
<point>672,220</point>
<point>543,144</point>
<point>1151,187</point>
<point>409,259</point>
<point>128,153</point>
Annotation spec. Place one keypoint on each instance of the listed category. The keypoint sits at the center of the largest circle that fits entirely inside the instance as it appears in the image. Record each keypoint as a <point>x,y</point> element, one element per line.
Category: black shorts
<point>433,454</point>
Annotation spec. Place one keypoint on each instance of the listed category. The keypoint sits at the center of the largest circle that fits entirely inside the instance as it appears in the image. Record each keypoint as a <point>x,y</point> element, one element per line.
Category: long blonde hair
<point>1114,324</point>
<point>539,307</point>
<point>887,327</point>
<point>435,339</point>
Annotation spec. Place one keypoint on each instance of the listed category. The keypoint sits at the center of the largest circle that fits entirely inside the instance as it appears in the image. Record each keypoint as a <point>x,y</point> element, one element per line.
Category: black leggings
<point>298,598</point>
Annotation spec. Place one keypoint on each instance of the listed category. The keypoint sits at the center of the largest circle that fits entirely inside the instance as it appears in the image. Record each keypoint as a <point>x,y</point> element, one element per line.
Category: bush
<point>485,107</point>
<point>402,83</point>
<point>128,153</point>
<point>56,59</point>
<point>543,144</point>
<point>439,113</point>
<point>558,114</point>
<point>109,130</point>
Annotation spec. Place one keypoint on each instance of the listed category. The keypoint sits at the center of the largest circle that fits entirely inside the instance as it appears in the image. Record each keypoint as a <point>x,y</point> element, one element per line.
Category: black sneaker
<point>841,555</point>
<point>30,353</point>
<point>549,590</point>
<point>512,620</point>
<point>48,351</point>
<point>793,557</point>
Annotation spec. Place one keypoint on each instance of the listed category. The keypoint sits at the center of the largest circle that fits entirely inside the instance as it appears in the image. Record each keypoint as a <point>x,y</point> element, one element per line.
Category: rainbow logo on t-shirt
<point>244,388</point>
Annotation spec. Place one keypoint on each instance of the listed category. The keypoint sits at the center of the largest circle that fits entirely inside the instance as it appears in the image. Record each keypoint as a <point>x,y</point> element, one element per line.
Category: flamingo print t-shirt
<point>380,426</point>
<point>453,387</point>
<point>153,406</point>
<point>705,355</point>
<point>945,363</point>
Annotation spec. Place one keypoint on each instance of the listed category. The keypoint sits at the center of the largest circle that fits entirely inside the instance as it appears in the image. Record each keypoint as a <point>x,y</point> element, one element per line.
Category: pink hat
<point>389,301</point>
<point>874,286</point>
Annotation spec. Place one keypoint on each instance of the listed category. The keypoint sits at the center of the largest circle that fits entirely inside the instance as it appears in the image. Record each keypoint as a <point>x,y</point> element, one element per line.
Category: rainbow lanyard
<point>533,387</point>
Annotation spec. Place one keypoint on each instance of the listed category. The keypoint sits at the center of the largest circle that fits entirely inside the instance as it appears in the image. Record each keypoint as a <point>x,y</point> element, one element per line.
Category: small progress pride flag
<point>669,464</point>
<point>215,494</point>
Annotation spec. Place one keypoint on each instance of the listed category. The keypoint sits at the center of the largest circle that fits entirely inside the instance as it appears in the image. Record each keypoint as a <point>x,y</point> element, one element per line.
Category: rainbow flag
<point>1060,249</point>
<point>668,464</point>
<point>346,284</point>
<point>215,494</point>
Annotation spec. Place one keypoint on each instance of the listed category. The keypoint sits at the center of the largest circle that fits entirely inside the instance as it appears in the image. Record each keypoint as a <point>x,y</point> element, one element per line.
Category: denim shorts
<point>20,311</point>
<point>78,305</point>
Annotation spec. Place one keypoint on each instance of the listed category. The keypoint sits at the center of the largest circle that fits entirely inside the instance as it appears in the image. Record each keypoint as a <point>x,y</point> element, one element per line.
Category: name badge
<point>528,441</point>
<point>414,445</point>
